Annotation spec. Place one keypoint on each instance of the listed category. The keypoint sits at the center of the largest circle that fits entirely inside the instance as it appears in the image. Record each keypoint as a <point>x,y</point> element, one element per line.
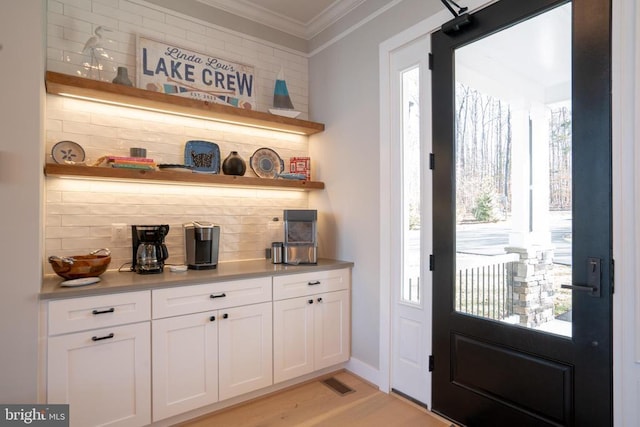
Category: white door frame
<point>390,260</point>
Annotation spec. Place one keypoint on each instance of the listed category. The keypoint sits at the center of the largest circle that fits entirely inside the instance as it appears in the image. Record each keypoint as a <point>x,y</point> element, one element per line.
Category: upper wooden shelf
<point>55,169</point>
<point>64,84</point>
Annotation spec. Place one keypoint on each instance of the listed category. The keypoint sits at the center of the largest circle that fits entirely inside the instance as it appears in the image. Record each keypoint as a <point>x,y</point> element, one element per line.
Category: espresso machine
<point>149,250</point>
<point>300,236</point>
<point>201,241</point>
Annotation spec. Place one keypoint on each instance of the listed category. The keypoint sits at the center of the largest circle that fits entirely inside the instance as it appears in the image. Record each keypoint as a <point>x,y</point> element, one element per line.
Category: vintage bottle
<point>234,164</point>
<point>122,78</point>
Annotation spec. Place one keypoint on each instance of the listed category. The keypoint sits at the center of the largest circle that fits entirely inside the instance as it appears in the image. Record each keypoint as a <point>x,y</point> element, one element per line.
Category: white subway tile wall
<point>80,213</point>
<point>72,22</point>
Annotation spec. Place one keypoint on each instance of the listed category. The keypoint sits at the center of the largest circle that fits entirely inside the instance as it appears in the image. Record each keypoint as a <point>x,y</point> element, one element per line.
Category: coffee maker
<point>149,250</point>
<point>300,236</point>
<point>201,240</point>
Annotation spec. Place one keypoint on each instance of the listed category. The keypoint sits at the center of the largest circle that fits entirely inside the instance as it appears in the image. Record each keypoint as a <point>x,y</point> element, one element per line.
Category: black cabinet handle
<point>222,295</point>
<point>319,299</point>
<point>310,301</point>
<point>225,316</point>
<point>317,282</point>
<point>111,310</point>
<point>212,318</point>
<point>106,337</point>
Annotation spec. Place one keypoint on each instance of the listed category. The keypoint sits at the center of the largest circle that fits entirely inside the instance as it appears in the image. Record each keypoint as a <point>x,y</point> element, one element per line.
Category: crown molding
<point>304,30</point>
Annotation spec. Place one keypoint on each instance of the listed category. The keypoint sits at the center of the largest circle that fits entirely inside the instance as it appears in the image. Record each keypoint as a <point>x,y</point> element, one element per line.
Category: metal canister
<point>276,252</point>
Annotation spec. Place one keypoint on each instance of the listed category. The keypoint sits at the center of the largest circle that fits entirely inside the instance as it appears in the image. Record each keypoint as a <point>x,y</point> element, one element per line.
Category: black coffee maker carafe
<point>149,250</point>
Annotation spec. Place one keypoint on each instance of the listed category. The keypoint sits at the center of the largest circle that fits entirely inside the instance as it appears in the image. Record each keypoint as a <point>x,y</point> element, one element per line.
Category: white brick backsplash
<point>79,213</point>
<point>115,13</point>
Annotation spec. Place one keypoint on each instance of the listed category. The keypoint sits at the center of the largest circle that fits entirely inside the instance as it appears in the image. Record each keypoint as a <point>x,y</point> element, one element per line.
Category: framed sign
<point>164,67</point>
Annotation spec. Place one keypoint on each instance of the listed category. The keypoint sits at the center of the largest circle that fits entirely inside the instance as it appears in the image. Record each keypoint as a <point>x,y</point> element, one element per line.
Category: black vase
<point>234,164</point>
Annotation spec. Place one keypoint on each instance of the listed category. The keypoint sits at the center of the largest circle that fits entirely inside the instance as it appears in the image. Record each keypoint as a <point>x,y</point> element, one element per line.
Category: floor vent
<point>337,386</point>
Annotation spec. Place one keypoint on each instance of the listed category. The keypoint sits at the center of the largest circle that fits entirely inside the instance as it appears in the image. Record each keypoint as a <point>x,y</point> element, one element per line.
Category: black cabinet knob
<point>225,316</point>
<point>212,318</point>
<point>310,301</point>
<point>319,299</point>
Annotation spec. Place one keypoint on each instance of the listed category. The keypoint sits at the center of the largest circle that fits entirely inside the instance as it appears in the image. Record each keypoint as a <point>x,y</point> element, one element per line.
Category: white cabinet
<point>133,358</point>
<point>103,374</point>
<point>222,350</point>
<point>185,363</point>
<point>245,349</point>
<point>311,331</point>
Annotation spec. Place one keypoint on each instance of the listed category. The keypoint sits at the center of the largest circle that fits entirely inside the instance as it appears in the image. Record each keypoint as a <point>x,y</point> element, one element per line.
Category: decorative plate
<point>266,163</point>
<point>67,152</point>
<point>202,156</point>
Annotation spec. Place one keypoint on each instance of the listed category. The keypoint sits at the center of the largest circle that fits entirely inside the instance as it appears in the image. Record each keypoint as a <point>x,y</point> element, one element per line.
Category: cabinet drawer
<point>197,298</point>
<point>297,285</point>
<point>78,314</point>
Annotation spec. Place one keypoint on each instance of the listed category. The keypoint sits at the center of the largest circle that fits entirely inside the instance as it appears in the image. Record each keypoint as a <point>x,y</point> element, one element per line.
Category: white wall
<point>72,22</point>
<point>344,94</point>
<point>21,85</point>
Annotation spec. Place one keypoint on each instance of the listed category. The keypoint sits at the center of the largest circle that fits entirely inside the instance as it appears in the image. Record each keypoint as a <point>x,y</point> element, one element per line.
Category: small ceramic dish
<point>67,152</point>
<point>84,281</point>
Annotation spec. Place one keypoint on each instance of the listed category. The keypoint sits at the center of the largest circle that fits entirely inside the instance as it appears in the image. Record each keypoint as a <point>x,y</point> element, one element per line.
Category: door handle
<point>593,279</point>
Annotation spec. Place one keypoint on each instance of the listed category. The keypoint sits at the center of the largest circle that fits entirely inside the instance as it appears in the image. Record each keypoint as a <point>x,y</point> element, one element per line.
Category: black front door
<point>522,271</point>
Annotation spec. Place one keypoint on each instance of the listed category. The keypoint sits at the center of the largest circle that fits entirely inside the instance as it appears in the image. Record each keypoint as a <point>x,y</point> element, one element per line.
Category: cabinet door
<point>185,363</point>
<point>245,349</point>
<point>331,328</point>
<point>104,375</point>
<point>292,338</point>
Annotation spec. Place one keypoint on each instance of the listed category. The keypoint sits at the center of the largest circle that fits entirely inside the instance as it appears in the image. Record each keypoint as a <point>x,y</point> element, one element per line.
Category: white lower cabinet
<point>245,349</point>
<point>103,374</point>
<point>192,346</point>
<point>185,363</point>
<point>312,331</point>
<point>202,358</point>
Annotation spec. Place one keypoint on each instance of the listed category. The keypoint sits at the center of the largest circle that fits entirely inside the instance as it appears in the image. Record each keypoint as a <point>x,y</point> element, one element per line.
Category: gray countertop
<point>127,281</point>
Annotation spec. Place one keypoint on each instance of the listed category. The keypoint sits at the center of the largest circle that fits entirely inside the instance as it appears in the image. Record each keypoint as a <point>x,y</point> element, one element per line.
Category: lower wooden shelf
<point>54,169</point>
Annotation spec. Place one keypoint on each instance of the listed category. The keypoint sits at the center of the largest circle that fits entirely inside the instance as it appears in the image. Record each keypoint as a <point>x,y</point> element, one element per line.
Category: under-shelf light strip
<point>194,116</point>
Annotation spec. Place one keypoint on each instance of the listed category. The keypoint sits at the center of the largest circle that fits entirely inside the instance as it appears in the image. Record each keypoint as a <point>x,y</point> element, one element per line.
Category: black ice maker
<point>201,240</point>
<point>300,237</point>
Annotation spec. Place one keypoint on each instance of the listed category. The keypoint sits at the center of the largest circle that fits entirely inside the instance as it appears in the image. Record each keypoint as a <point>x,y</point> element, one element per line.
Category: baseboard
<point>364,371</point>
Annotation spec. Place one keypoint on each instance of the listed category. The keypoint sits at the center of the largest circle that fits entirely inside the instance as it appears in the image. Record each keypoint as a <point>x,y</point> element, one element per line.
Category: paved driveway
<point>492,238</point>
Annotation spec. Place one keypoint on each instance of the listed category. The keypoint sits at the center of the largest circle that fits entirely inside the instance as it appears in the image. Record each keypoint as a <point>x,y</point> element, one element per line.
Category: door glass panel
<point>513,174</point>
<point>410,291</point>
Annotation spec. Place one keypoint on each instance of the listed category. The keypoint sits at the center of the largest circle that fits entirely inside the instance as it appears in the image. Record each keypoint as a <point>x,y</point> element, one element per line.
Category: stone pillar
<point>532,284</point>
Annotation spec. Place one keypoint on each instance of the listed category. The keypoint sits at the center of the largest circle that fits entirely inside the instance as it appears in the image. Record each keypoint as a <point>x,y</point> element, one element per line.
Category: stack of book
<point>130,162</point>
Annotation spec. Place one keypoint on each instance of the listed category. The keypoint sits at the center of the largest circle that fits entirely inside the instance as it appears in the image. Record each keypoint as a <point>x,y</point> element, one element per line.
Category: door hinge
<point>431,363</point>
<point>431,262</point>
<point>431,61</point>
<point>613,276</point>
<point>432,161</point>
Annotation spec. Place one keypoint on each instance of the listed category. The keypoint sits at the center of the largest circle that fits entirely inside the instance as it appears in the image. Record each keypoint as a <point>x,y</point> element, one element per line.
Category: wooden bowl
<point>80,266</point>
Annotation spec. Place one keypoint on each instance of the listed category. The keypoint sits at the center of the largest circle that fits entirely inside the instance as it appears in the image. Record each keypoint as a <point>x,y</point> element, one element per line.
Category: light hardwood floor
<point>315,404</point>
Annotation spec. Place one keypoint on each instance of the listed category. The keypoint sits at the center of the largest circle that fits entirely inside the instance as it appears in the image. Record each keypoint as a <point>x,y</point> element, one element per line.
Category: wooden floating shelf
<point>64,84</point>
<point>54,169</point>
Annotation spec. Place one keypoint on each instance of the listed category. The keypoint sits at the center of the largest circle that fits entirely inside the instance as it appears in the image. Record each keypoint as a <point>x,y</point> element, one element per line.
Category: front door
<point>521,224</point>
